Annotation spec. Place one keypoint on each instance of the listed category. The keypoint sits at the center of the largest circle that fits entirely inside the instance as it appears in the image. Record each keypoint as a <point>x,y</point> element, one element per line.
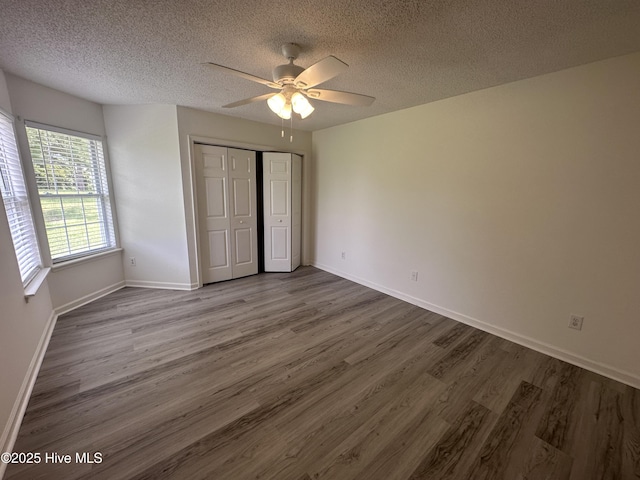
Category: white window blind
<point>16,203</point>
<point>72,185</point>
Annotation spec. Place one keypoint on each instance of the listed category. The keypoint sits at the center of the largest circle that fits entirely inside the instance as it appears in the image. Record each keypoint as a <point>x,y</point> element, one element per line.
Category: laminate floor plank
<point>631,436</point>
<point>519,365</point>
<point>245,457</point>
<point>314,431</point>
<point>558,425</point>
<point>387,419</point>
<point>355,383</point>
<point>544,462</point>
<point>512,437</point>
<point>454,453</point>
<point>401,454</point>
<point>547,373</point>
<point>320,353</point>
<point>461,389</point>
<point>305,375</point>
<point>453,334</point>
<point>598,448</point>
<point>176,464</point>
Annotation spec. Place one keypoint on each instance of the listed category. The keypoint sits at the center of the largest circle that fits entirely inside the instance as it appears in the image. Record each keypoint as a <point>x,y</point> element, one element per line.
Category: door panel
<point>242,197</point>
<point>218,246</point>
<point>277,165</point>
<point>243,219</point>
<point>296,211</point>
<point>216,198</point>
<point>241,162</point>
<point>280,197</point>
<point>279,243</point>
<point>244,246</point>
<point>277,211</point>
<point>213,213</point>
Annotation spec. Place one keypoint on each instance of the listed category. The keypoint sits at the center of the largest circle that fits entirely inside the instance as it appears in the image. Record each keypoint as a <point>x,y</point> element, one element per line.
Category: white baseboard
<point>161,285</point>
<point>10,433</point>
<point>67,307</point>
<point>542,347</point>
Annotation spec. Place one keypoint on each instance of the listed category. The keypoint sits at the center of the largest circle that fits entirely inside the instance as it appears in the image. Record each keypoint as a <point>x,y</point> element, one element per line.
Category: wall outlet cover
<point>575,322</point>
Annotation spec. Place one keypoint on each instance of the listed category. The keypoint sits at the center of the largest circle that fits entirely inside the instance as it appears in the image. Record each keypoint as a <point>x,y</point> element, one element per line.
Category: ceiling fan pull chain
<point>291,137</point>
<point>282,126</point>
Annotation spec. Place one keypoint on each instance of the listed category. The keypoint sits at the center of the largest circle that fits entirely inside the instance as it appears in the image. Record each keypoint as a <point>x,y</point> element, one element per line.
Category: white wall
<point>244,133</point>
<point>145,164</point>
<point>84,280</point>
<point>5,101</point>
<point>22,326</point>
<point>518,206</point>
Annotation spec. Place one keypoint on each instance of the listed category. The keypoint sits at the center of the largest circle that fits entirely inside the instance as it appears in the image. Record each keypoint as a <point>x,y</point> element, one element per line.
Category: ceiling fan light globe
<point>299,103</point>
<point>277,103</point>
<point>285,112</point>
<point>307,111</point>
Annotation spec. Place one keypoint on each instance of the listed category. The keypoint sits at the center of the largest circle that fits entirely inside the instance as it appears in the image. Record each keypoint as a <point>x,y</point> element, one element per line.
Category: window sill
<point>34,285</point>
<point>71,263</point>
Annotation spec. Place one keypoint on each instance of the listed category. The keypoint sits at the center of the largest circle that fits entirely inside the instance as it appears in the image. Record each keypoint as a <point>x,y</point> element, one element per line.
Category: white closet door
<point>227,220</point>
<point>282,211</point>
<point>213,213</point>
<point>243,218</point>
<point>296,210</point>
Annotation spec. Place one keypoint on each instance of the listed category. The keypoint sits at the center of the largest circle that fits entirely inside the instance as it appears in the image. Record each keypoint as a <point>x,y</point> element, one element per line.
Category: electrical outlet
<point>344,255</point>
<point>575,322</point>
<point>414,276</point>
<point>132,261</point>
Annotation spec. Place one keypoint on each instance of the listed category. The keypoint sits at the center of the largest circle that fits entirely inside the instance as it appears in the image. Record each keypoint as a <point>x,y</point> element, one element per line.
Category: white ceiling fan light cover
<point>276,102</point>
<point>285,113</point>
<point>301,105</point>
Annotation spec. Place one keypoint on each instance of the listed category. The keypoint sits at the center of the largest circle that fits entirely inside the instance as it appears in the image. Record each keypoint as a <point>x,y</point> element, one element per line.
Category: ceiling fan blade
<point>319,72</point>
<point>246,76</point>
<point>246,101</point>
<point>337,96</point>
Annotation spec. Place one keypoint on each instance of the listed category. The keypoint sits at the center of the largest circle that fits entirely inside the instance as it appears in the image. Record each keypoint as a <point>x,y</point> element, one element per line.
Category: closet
<point>227,212</point>
<point>282,210</point>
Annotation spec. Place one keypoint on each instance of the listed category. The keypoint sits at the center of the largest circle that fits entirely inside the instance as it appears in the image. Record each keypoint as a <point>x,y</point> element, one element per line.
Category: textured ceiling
<point>404,53</point>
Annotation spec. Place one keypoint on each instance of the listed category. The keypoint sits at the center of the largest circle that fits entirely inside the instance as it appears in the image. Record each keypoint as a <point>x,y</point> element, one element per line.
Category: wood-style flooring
<point>310,376</point>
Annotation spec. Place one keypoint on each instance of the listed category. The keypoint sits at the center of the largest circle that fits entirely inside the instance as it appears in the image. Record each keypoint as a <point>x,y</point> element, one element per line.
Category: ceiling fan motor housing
<point>284,74</point>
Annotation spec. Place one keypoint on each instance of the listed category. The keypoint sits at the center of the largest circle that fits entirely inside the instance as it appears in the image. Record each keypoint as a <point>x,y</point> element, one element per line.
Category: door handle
<point>280,220</point>
<point>241,221</point>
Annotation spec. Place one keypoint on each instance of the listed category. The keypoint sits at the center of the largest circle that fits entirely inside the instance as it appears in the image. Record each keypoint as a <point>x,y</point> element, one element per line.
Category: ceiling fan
<point>296,84</point>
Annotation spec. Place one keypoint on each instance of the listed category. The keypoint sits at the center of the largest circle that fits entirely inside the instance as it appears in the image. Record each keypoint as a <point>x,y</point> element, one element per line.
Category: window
<point>71,177</point>
<point>16,203</point>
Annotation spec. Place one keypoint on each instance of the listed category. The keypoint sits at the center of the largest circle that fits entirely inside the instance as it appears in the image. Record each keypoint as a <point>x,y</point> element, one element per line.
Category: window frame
<point>28,235</point>
<point>108,202</point>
